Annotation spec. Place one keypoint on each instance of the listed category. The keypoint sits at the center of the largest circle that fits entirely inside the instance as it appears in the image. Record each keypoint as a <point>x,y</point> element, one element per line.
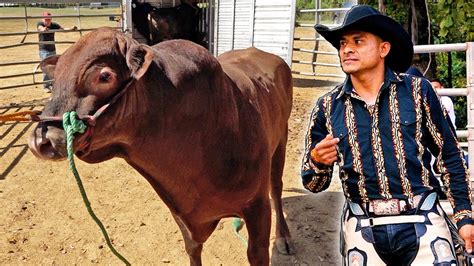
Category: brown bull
<point>209,135</point>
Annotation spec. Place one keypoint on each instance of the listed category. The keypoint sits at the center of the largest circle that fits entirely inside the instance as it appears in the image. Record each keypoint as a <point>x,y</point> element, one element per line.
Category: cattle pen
<point>227,25</point>
<point>43,220</point>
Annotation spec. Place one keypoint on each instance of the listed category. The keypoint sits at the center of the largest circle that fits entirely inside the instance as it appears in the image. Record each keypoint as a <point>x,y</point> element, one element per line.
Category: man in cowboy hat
<point>377,125</point>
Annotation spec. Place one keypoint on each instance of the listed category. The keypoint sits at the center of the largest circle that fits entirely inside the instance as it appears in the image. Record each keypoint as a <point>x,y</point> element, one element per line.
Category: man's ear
<point>385,49</point>
<point>48,65</point>
<point>139,58</point>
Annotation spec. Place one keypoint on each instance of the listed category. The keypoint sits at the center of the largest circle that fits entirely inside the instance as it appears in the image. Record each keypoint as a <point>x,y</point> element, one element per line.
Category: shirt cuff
<point>463,217</point>
<point>320,168</point>
<point>317,178</point>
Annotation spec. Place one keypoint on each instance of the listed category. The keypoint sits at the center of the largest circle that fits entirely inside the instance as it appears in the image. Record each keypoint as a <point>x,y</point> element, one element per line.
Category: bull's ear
<point>139,58</point>
<point>48,65</point>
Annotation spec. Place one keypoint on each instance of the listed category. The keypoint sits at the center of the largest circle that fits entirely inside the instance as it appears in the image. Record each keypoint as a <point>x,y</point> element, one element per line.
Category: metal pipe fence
<point>4,79</point>
<point>318,11</point>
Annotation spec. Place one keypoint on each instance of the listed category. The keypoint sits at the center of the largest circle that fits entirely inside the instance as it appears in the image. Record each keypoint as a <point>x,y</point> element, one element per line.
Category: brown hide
<point>209,135</point>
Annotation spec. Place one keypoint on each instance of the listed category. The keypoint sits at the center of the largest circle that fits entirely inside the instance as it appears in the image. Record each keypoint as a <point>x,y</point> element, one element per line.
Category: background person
<point>446,101</point>
<point>47,49</point>
<point>448,105</point>
<point>377,125</point>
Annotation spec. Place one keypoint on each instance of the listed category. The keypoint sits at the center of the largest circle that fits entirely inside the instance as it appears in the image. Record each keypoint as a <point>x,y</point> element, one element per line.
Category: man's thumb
<point>468,244</point>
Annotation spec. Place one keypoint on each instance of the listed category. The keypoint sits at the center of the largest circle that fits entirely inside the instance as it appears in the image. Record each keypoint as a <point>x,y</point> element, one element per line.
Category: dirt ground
<point>44,221</point>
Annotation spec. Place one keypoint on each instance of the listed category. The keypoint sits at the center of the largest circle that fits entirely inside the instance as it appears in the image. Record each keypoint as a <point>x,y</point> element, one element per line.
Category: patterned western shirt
<point>381,147</point>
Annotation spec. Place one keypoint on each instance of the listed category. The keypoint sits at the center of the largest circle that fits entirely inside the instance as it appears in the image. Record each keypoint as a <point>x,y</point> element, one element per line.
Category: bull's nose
<point>39,146</point>
<point>42,147</point>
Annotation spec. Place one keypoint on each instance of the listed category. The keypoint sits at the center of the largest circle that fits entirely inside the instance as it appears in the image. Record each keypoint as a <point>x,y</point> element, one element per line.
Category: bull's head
<point>87,76</point>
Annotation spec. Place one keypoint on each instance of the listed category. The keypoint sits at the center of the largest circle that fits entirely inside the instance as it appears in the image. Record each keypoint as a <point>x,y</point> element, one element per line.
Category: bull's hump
<point>183,60</point>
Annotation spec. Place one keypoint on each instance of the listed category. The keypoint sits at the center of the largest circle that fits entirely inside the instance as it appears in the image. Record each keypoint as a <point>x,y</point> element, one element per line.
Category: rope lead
<point>71,126</point>
<point>237,225</point>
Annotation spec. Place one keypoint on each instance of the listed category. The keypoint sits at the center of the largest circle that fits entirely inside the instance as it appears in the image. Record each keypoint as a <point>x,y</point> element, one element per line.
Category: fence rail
<point>28,17</point>
<point>337,12</point>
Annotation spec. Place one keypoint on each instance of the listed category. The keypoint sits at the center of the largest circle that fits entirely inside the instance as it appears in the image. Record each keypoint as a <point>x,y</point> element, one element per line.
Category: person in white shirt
<point>445,101</point>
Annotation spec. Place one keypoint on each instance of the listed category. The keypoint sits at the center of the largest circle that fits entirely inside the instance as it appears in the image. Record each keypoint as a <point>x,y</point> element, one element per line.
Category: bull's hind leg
<point>283,239</point>
<point>258,221</point>
<point>193,241</point>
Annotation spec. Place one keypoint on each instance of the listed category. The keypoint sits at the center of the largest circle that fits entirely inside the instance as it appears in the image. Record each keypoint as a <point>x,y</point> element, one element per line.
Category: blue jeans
<point>396,244</point>
<point>43,54</point>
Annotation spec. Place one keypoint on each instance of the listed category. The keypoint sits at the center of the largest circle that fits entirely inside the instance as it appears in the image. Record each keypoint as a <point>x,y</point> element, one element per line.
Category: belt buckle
<point>386,207</point>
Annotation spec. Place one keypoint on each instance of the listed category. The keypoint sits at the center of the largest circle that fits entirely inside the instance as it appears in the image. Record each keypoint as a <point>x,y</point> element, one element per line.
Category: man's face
<point>436,85</point>
<point>361,51</point>
<point>47,21</point>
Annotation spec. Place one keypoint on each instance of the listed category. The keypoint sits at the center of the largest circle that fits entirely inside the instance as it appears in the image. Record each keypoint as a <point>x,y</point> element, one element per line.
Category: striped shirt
<point>381,147</point>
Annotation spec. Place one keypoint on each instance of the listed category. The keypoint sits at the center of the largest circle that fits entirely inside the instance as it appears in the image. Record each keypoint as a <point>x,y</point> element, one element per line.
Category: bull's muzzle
<point>47,142</point>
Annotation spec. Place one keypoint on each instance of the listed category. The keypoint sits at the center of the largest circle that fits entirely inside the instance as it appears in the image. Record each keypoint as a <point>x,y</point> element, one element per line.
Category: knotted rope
<point>73,125</point>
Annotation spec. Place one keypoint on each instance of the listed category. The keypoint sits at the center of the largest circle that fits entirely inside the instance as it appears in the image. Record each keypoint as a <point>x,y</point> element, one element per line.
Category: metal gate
<point>312,65</point>
<point>267,25</point>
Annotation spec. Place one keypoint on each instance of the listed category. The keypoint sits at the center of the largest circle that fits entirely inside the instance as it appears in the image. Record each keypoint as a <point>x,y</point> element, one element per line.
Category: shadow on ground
<point>311,83</point>
<point>314,221</point>
<point>12,137</point>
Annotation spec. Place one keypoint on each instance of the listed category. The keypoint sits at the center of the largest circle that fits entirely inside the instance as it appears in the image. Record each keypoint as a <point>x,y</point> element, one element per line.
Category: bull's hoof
<point>285,246</point>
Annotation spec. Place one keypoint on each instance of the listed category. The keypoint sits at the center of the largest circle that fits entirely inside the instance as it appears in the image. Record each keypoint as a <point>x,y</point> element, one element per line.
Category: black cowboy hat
<point>366,18</point>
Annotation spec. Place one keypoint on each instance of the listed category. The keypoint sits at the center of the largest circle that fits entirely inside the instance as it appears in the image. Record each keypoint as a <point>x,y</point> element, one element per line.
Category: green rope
<point>237,225</point>
<point>72,125</point>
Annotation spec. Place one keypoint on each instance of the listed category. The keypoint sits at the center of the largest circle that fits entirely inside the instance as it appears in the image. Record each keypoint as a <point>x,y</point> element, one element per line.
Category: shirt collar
<point>390,77</point>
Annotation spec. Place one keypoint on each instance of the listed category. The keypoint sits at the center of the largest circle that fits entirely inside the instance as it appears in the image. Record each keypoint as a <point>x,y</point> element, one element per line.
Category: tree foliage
<point>455,19</point>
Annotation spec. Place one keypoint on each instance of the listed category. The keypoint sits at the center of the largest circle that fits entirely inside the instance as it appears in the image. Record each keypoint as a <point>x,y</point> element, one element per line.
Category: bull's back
<point>265,80</point>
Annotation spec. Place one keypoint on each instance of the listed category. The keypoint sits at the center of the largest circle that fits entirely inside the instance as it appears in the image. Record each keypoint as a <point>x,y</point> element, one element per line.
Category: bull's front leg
<point>257,218</point>
<point>194,236</point>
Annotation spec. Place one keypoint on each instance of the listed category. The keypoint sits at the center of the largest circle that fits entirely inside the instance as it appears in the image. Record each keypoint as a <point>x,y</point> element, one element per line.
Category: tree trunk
<point>419,30</point>
<point>382,7</point>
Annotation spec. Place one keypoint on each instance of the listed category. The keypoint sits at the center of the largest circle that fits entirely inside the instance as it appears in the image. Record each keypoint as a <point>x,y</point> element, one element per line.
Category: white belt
<point>400,219</point>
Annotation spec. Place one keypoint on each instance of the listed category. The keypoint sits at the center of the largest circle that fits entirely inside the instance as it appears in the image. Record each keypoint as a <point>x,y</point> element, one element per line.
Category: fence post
<point>470,106</point>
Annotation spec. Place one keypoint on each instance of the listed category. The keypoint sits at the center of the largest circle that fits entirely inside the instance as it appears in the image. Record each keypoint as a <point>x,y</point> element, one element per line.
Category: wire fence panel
<point>19,40</point>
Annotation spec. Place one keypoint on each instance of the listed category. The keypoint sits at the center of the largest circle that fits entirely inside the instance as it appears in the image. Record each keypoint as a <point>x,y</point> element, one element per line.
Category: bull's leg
<point>283,238</point>
<point>193,242</point>
<point>258,221</point>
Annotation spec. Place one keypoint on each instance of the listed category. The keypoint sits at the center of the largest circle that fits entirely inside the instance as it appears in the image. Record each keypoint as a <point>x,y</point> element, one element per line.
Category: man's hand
<point>467,233</point>
<point>325,151</point>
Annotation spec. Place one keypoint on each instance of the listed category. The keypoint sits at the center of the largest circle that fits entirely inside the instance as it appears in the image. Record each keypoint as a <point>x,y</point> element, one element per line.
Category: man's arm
<point>450,159</point>
<point>59,27</point>
<point>41,27</point>
<point>320,151</point>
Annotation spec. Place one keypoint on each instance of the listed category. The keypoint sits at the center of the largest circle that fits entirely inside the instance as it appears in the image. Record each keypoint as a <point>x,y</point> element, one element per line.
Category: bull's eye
<point>104,77</point>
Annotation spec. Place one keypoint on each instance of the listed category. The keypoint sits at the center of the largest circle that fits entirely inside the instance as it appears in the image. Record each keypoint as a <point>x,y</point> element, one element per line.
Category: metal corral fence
<point>335,15</point>
<point>27,18</point>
